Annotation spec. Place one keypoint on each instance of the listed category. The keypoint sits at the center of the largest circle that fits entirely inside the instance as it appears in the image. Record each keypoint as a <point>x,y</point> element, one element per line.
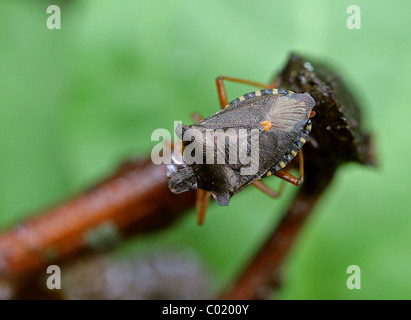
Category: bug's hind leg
<point>222,95</point>
<point>289,177</point>
<point>267,190</point>
<point>285,176</point>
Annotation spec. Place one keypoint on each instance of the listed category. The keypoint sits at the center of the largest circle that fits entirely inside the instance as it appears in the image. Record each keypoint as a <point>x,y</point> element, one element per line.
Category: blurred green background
<point>77,101</point>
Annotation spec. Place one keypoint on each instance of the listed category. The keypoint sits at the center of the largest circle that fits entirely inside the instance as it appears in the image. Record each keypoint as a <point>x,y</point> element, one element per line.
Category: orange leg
<point>196,117</point>
<point>202,196</point>
<point>286,177</point>
<point>289,177</point>
<point>267,190</point>
<point>202,200</point>
<point>222,95</point>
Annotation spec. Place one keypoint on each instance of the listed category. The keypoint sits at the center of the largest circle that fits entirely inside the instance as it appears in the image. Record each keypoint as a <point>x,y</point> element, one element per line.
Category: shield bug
<point>277,121</point>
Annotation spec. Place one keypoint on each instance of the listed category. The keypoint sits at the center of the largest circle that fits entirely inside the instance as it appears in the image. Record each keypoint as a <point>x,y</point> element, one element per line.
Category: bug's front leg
<point>222,94</point>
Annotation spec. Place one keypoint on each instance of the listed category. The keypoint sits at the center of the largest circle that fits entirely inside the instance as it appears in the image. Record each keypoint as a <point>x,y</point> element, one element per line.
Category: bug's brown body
<point>282,120</point>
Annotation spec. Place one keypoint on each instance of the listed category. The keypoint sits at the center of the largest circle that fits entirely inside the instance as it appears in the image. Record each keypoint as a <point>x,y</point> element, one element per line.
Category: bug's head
<point>181,178</point>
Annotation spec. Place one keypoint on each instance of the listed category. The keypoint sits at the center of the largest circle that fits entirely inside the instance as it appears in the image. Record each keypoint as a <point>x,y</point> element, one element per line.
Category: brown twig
<point>135,199</point>
<point>337,138</point>
<point>261,277</point>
